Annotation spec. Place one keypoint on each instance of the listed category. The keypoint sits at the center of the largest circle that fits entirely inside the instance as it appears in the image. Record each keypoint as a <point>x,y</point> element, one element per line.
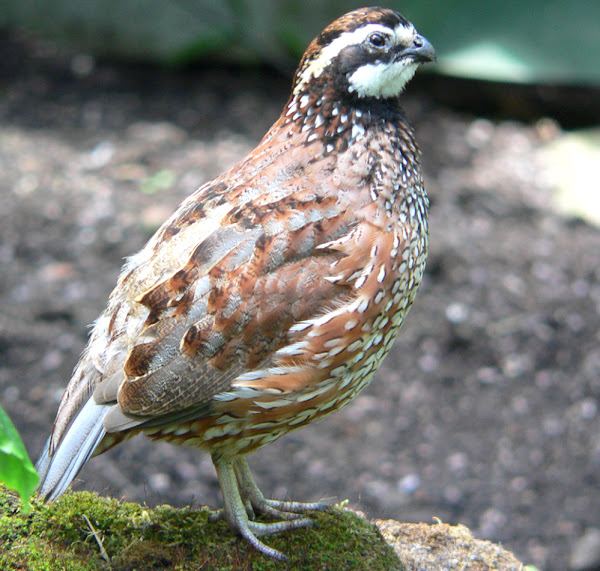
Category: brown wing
<point>227,311</point>
<point>215,292</point>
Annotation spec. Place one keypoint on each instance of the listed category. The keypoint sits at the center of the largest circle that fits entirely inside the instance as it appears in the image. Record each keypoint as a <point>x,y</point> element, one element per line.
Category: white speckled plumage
<point>271,296</point>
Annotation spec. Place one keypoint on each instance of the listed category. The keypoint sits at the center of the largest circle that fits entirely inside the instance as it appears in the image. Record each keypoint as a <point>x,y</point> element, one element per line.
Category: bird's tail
<point>58,465</point>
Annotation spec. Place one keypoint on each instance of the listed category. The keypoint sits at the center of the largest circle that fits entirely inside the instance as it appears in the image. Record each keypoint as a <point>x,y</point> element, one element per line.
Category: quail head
<point>272,294</point>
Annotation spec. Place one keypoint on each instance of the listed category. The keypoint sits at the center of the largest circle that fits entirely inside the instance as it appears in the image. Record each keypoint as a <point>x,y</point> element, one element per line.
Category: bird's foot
<point>243,498</point>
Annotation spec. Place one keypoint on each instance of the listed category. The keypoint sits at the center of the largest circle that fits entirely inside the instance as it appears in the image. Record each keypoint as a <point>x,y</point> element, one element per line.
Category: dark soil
<point>486,411</point>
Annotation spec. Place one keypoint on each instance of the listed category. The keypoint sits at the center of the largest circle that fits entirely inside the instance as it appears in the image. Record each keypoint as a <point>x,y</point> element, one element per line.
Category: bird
<point>272,294</point>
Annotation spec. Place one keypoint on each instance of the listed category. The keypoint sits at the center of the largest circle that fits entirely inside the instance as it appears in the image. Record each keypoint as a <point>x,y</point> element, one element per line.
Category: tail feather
<point>58,468</point>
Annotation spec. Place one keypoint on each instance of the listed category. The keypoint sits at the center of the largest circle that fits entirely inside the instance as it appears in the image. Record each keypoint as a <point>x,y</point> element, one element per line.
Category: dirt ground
<point>486,411</point>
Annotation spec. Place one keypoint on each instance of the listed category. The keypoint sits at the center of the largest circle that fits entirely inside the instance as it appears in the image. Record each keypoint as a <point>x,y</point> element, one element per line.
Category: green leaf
<point>16,469</point>
<point>161,180</point>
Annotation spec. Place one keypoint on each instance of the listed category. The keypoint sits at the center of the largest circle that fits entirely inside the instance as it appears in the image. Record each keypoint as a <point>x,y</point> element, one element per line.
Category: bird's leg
<point>237,517</point>
<point>252,495</point>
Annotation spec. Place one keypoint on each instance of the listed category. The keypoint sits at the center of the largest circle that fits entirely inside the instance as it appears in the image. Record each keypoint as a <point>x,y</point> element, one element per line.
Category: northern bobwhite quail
<point>271,296</point>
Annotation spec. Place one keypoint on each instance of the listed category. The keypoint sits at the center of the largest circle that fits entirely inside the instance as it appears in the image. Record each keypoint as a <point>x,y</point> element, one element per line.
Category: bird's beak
<point>421,51</point>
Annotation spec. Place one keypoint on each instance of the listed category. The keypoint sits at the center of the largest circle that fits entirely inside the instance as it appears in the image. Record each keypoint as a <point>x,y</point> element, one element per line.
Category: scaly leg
<point>235,510</point>
<point>252,495</point>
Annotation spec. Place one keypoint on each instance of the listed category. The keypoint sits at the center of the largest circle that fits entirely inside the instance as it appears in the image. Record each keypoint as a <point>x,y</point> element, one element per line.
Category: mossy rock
<point>83,531</point>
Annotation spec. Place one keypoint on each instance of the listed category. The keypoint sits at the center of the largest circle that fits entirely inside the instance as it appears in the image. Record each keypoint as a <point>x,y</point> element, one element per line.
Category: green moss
<point>82,531</point>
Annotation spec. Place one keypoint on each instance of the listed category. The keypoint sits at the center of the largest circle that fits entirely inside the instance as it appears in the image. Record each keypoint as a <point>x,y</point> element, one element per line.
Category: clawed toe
<point>242,499</point>
<point>293,508</point>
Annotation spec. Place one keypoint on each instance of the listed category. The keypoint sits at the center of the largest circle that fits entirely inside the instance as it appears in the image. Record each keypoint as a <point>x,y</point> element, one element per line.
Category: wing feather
<point>213,295</point>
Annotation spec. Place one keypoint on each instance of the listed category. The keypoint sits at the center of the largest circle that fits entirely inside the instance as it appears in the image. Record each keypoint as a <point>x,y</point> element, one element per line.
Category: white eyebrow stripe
<point>355,37</point>
<point>404,34</point>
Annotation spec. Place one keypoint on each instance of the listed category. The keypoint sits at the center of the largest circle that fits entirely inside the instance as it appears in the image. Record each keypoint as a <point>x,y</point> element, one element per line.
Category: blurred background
<point>486,411</point>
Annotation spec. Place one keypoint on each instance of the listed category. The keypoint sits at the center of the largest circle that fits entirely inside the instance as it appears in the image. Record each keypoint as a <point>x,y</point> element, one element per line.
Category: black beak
<point>421,51</point>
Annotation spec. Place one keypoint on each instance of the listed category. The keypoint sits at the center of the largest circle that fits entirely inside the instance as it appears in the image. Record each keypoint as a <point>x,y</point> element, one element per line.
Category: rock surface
<point>82,531</point>
<point>423,547</point>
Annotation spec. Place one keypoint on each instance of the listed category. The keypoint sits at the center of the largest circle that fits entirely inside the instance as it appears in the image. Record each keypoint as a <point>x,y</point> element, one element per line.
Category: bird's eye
<point>378,40</point>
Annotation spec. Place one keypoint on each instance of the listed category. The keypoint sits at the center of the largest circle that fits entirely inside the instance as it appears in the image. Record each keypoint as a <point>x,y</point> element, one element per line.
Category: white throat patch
<point>381,79</point>
<point>385,79</point>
